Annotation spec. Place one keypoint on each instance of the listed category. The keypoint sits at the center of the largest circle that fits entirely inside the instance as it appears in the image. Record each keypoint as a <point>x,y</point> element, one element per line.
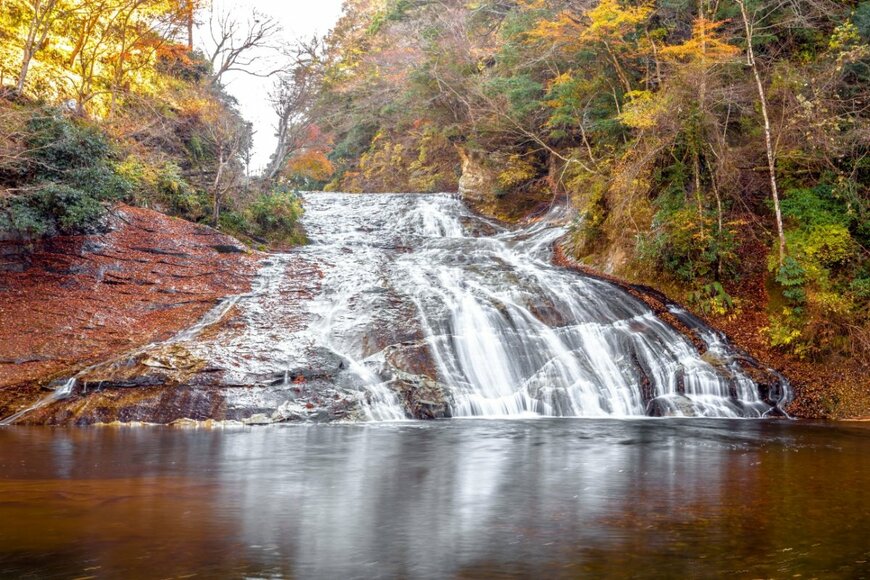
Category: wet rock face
<point>395,310</point>
<point>143,404</point>
<point>412,375</point>
<point>165,364</point>
<point>423,398</point>
<point>392,320</point>
<point>411,358</point>
<point>477,184</point>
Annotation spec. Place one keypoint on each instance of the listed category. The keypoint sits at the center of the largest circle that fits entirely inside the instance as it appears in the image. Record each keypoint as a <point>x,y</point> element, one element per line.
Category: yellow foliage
<point>563,30</point>
<point>781,333</point>
<point>609,19</point>
<point>310,164</point>
<point>516,171</point>
<point>704,45</point>
<point>90,52</point>
<point>829,303</point>
<point>642,109</point>
<point>845,36</point>
<point>607,22</point>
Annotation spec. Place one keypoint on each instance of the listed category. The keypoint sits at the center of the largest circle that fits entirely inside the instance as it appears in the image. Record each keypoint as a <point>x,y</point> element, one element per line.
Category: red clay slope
<point>84,299</point>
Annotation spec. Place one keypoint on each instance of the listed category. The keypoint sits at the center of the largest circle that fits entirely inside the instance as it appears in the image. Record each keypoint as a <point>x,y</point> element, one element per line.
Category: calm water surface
<point>469,499</point>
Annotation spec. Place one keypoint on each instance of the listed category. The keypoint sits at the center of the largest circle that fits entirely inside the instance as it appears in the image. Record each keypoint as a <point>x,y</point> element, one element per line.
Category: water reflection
<point>554,498</point>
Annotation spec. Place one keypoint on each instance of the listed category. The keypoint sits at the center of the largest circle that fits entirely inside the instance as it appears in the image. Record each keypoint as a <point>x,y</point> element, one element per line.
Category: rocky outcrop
<point>79,300</point>
<point>477,184</point>
<point>412,375</point>
<point>14,252</point>
<point>479,188</point>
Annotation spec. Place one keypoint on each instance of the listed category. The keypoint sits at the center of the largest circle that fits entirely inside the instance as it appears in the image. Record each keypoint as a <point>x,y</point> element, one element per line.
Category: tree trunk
<point>281,149</point>
<point>189,15</point>
<point>25,66</point>
<point>768,139</point>
<point>29,49</point>
<point>36,35</point>
<point>620,73</point>
<point>699,126</point>
<point>216,208</point>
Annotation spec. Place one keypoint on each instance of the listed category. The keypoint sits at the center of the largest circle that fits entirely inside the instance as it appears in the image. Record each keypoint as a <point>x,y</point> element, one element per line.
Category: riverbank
<point>79,300</point>
<point>826,387</point>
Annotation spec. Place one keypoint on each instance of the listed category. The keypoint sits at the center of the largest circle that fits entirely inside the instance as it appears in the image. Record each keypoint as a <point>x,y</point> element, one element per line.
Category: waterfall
<point>509,333</point>
<point>60,393</point>
<point>211,317</point>
<point>407,305</point>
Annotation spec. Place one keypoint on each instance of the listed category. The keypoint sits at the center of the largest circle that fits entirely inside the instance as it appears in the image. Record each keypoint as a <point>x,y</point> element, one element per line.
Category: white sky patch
<point>299,19</point>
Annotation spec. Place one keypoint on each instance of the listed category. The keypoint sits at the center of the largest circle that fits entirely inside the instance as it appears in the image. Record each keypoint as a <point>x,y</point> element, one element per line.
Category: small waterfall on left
<point>214,315</point>
<point>58,394</point>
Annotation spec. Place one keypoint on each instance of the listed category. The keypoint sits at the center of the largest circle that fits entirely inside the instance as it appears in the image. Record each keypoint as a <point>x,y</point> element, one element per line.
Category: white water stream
<point>510,334</point>
<point>502,331</point>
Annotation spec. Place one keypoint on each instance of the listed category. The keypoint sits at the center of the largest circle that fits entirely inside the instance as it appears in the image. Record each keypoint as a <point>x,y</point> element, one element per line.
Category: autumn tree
<point>227,138</point>
<point>752,63</point>
<point>292,98</point>
<point>40,17</point>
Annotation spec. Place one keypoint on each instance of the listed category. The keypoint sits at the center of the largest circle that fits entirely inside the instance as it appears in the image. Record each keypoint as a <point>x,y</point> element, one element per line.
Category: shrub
<point>275,216</point>
<point>181,197</point>
<point>234,222</point>
<point>515,171</point>
<point>791,277</point>
<point>822,279</point>
<point>101,182</point>
<point>783,333</point>
<point>587,231</point>
<point>68,210</point>
<point>713,299</point>
<point>72,172</point>
<point>860,286</point>
<point>16,215</point>
<point>688,245</point>
<point>57,145</point>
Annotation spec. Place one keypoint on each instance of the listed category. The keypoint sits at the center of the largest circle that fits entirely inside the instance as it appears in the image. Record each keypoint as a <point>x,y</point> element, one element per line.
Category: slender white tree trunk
<point>40,25</point>
<point>768,139</point>
<point>29,47</point>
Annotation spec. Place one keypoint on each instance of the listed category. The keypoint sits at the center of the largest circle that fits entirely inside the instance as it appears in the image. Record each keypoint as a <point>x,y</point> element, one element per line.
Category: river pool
<point>546,498</point>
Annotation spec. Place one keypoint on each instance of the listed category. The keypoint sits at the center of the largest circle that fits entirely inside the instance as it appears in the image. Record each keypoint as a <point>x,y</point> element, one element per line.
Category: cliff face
<point>77,300</point>
<point>479,188</point>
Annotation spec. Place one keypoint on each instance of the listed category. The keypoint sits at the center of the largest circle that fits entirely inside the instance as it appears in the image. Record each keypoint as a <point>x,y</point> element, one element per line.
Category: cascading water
<point>509,333</point>
<point>60,393</point>
<point>410,305</point>
<point>213,316</point>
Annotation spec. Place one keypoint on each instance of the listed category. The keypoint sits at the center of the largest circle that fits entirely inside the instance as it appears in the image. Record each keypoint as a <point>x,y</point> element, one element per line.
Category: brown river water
<point>543,498</point>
